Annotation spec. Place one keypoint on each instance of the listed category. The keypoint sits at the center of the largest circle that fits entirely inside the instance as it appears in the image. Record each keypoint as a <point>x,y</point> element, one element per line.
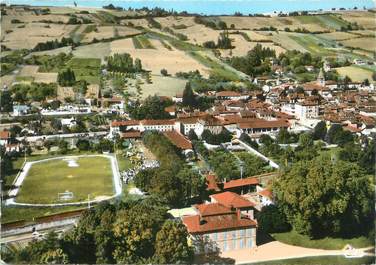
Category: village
<point>214,149</point>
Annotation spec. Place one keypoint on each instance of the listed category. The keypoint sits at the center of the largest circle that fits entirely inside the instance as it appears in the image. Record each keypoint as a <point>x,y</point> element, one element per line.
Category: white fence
<point>257,153</point>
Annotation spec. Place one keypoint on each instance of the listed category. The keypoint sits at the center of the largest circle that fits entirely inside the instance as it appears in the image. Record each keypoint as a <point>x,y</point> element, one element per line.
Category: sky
<point>212,7</point>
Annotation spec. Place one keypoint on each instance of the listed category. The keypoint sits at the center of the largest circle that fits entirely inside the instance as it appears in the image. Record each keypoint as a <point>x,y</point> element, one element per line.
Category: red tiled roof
<point>188,120</point>
<point>231,199</point>
<point>124,123</point>
<point>241,182</point>
<point>266,193</point>
<point>216,223</point>
<point>4,135</point>
<point>208,209</point>
<point>259,123</point>
<point>178,140</point>
<point>228,94</point>
<point>314,85</point>
<point>131,134</point>
<point>210,121</point>
<point>171,108</point>
<point>212,183</point>
<point>158,122</point>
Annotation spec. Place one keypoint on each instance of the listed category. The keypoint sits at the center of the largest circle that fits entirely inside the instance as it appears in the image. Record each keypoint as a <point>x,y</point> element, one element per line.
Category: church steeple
<point>321,78</point>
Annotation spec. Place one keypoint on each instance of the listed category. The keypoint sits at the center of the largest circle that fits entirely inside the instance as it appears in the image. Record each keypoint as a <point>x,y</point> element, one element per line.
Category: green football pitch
<point>85,177</point>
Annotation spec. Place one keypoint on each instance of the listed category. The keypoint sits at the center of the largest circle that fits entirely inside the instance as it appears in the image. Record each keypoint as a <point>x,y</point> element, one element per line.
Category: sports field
<point>81,175</point>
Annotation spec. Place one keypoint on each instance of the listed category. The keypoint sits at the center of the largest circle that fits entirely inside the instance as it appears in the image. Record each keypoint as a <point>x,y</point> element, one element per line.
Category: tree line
<point>133,231</point>
<point>173,182</point>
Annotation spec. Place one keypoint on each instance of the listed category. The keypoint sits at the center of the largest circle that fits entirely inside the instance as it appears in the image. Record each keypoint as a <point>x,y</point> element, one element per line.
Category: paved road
<point>67,135</point>
<point>276,250</point>
<point>26,237</point>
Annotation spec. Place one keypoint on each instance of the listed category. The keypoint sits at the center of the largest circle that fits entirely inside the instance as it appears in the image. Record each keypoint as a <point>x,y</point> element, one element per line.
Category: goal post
<point>65,196</point>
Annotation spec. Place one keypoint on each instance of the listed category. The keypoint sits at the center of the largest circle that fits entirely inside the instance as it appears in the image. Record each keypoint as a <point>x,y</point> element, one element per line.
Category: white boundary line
<point>25,170</point>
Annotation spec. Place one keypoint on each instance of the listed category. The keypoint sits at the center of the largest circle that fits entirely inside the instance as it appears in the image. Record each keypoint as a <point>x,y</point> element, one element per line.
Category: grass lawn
<point>92,177</point>
<point>24,78</point>
<point>293,238</point>
<point>86,69</point>
<point>123,162</point>
<point>13,213</point>
<point>323,260</point>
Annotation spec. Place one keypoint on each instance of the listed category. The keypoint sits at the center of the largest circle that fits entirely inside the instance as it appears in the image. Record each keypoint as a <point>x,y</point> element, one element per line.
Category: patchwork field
<point>362,18</point>
<point>159,58</point>
<point>29,70</point>
<point>29,35</point>
<point>196,33</point>
<point>314,23</point>
<point>356,73</point>
<point>242,46</point>
<point>45,77</point>
<point>86,69</point>
<point>89,176</point>
<point>368,44</point>
<point>161,86</point>
<point>96,50</point>
<point>338,35</point>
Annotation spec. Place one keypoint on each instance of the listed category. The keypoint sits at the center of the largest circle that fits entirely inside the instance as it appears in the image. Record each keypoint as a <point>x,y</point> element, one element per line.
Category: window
<point>249,242</point>
<point>215,236</point>
<point>241,233</point>
<point>249,232</point>
<point>224,245</point>
<point>234,234</point>
<point>233,244</point>
<point>241,243</point>
<point>224,235</point>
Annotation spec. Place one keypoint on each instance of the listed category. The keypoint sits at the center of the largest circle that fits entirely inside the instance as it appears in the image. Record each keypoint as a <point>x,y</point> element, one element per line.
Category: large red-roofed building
<point>226,223</point>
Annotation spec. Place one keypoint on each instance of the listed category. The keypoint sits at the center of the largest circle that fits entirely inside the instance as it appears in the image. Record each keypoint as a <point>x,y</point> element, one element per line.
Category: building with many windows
<point>224,224</point>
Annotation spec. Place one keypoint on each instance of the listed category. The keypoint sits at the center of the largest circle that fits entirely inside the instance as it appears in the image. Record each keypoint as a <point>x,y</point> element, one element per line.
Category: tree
<point>266,139</point>
<point>152,108</point>
<point>319,131</point>
<point>66,77</point>
<point>56,124</point>
<point>333,133</point>
<point>137,65</point>
<point>83,144</point>
<point>171,245</point>
<point>80,87</point>
<point>325,198</point>
<point>222,25</point>
<point>271,219</point>
<point>135,231</point>
<point>336,135</point>
<point>283,136</point>
<point>63,147</point>
<point>55,256</point>
<point>6,101</point>
<point>164,72</point>
<point>247,139</point>
<point>192,135</point>
<point>305,140</point>
<point>189,98</point>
